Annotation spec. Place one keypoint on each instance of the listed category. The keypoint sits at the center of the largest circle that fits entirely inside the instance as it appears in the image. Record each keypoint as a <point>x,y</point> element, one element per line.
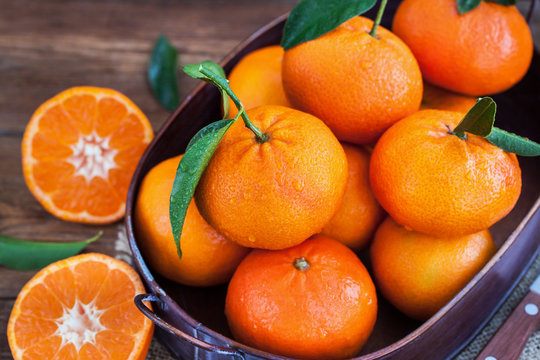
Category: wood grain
<point>5,310</point>
<point>47,46</point>
<point>512,336</point>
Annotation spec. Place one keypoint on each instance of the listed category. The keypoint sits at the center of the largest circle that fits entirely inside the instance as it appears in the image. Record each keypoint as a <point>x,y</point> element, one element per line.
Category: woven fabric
<point>532,349</point>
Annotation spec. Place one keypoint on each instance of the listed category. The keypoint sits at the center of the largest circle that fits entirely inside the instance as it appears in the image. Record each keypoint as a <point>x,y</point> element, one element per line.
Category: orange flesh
<point>79,151</point>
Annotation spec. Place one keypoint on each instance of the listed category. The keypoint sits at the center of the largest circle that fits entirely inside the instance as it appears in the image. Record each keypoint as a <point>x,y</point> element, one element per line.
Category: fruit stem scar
<point>301,264</point>
<point>223,84</point>
<point>377,21</point>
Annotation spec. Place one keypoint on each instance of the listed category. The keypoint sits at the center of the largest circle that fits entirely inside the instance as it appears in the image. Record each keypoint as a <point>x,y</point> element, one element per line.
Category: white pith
<point>79,325</point>
<point>92,156</point>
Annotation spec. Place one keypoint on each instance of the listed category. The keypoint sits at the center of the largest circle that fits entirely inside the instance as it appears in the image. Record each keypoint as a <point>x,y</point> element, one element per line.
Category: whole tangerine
<point>359,214</point>
<point>440,99</point>
<point>208,258</point>
<point>312,301</point>
<point>420,273</point>
<point>484,51</point>
<point>276,193</point>
<point>357,84</point>
<point>256,79</point>
<point>431,181</point>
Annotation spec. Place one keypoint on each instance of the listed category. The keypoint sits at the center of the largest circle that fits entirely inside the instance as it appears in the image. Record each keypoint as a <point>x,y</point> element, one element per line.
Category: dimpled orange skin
<point>325,312</point>
<point>256,79</point>
<point>356,84</point>
<point>359,213</point>
<point>440,99</point>
<point>275,194</point>
<point>208,258</point>
<point>484,51</point>
<point>433,182</point>
<point>419,273</point>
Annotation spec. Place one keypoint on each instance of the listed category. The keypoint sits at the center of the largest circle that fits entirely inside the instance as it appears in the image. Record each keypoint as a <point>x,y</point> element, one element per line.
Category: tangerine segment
<point>72,309</point>
<point>431,181</point>
<point>275,194</point>
<point>72,144</point>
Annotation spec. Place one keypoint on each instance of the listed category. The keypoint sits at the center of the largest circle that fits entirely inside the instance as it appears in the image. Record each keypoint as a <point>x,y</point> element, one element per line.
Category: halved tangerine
<point>80,150</point>
<point>80,308</point>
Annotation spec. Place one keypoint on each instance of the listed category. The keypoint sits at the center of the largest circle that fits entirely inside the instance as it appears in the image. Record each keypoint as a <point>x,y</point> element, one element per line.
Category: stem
<point>459,134</point>
<point>301,264</point>
<point>377,21</point>
<point>219,82</point>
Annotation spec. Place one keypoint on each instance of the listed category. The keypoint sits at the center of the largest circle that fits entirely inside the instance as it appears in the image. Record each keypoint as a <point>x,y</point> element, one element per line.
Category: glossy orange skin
<point>275,194</point>
<point>208,258</point>
<point>432,181</point>
<point>484,51</point>
<point>356,84</point>
<point>420,273</point>
<point>440,99</point>
<point>256,79</point>
<point>325,312</point>
<point>359,214</point>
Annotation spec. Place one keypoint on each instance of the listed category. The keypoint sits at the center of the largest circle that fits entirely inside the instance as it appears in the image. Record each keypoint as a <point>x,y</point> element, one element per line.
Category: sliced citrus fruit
<point>79,151</point>
<point>80,308</point>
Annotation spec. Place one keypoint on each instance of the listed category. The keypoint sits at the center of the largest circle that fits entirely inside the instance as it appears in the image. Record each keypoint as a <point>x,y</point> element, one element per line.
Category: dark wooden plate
<point>191,322</point>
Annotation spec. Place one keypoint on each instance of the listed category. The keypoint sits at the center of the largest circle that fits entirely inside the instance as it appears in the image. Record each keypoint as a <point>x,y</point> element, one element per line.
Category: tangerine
<point>420,273</point>
<point>484,51</point>
<point>315,301</point>
<point>359,214</point>
<point>80,308</point>
<point>79,151</point>
<point>276,193</point>
<point>431,181</point>
<point>208,258</point>
<point>256,79</point>
<point>357,84</point>
<point>440,99</point>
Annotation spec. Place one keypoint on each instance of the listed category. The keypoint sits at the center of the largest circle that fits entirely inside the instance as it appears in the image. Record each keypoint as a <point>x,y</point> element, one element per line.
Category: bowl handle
<point>140,298</point>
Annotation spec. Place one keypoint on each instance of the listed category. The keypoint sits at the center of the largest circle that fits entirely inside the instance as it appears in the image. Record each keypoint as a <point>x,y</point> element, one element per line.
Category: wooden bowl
<point>190,321</point>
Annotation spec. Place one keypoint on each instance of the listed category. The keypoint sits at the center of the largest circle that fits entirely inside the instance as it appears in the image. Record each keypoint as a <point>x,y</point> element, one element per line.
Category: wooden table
<point>47,46</point>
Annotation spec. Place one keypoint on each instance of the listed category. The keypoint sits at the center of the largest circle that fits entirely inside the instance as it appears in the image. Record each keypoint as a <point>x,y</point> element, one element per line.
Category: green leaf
<point>32,255</point>
<point>202,71</point>
<point>195,160</point>
<point>313,18</point>
<point>479,120</point>
<point>467,5</point>
<point>513,143</point>
<point>201,148</point>
<point>193,70</point>
<point>162,73</point>
<point>505,2</point>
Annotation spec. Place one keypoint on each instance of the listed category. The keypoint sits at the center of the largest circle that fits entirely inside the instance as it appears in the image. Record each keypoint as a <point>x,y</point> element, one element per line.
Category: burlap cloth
<point>531,350</point>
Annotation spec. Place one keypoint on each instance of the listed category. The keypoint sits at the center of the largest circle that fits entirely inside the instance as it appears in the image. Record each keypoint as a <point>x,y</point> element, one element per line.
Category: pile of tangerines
<point>344,144</point>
